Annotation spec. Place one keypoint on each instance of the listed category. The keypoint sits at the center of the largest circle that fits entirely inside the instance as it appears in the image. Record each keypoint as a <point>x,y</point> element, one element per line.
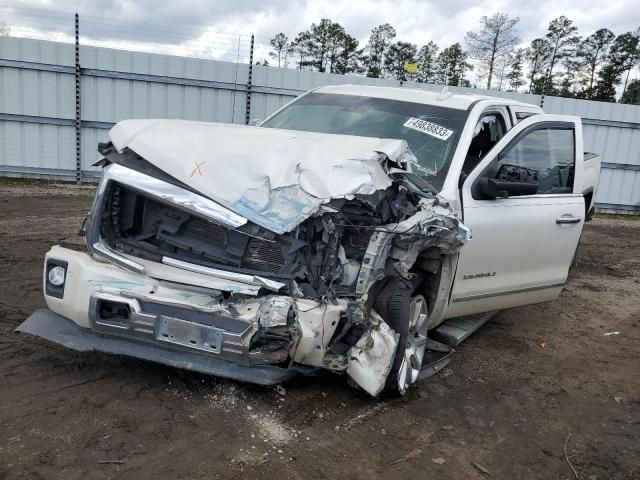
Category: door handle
<point>567,219</point>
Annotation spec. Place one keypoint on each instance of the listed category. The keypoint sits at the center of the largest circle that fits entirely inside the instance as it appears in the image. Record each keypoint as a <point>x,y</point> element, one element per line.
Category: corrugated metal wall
<point>38,102</point>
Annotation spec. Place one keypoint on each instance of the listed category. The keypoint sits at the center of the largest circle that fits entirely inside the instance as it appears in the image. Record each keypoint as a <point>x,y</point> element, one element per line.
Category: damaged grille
<point>261,255</point>
<point>139,225</point>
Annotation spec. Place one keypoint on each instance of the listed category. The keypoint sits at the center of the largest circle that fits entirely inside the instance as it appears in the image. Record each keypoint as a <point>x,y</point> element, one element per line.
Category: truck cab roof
<point>458,101</point>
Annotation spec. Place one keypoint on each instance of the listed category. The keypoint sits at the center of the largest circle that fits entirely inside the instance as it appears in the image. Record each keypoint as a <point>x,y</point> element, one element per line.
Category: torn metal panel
<point>374,262</point>
<point>317,322</point>
<point>432,226</point>
<point>275,178</point>
<point>371,358</point>
<point>173,195</point>
<point>180,275</point>
<point>104,251</point>
<point>250,332</point>
<point>215,272</point>
<point>398,152</point>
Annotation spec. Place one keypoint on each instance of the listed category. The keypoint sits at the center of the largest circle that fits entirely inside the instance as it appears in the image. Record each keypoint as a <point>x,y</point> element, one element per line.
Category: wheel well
<point>428,269</point>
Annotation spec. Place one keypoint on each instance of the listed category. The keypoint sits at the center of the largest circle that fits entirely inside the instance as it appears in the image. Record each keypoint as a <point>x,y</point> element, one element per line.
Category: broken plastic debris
<point>481,468</point>
<point>610,333</point>
<point>413,453</point>
<point>371,358</point>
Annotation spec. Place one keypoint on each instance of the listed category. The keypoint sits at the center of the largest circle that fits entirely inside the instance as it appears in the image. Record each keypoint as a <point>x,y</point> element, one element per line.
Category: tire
<point>406,314</point>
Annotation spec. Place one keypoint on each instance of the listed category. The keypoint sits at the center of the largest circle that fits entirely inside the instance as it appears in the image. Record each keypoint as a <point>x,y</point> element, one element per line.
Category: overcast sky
<point>416,21</point>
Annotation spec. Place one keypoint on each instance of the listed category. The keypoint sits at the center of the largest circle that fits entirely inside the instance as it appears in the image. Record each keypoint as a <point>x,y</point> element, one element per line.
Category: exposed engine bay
<point>321,258</point>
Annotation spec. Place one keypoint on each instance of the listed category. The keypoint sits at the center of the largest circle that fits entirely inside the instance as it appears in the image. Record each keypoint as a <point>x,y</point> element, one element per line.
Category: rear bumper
<point>53,327</point>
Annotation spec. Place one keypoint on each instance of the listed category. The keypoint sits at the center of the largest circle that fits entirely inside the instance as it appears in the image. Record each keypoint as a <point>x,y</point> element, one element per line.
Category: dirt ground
<point>532,384</point>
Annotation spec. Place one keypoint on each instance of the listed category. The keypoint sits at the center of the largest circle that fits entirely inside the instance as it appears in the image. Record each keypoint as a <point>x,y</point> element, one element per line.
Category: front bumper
<point>190,317</point>
<point>175,317</point>
<point>53,327</point>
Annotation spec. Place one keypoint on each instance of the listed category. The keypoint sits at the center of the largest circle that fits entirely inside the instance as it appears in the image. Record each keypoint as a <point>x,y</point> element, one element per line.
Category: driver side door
<point>522,243</point>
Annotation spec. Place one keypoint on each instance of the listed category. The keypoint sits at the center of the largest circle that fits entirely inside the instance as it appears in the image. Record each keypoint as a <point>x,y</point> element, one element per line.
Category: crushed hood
<point>275,178</point>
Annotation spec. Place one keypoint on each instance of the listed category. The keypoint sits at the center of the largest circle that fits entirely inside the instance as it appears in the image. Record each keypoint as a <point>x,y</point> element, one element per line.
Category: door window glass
<point>548,154</point>
<point>489,129</point>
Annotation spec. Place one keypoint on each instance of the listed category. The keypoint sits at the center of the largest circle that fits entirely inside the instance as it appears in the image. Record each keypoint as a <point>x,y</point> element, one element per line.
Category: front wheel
<point>407,315</point>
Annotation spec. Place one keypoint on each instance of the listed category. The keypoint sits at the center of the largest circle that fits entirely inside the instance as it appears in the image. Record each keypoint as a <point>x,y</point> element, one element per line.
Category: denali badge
<point>479,275</point>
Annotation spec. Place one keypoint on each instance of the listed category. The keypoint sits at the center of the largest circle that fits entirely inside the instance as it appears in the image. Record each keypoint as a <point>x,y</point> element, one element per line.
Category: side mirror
<point>492,188</point>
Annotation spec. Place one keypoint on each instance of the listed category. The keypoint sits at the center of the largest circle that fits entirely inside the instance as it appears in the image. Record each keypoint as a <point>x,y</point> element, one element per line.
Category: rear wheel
<point>408,316</point>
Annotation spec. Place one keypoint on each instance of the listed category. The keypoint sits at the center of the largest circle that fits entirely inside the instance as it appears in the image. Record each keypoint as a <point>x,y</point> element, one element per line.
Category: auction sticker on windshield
<point>429,128</point>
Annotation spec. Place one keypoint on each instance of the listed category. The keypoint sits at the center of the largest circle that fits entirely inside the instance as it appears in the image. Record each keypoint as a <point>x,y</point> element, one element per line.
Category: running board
<point>454,331</point>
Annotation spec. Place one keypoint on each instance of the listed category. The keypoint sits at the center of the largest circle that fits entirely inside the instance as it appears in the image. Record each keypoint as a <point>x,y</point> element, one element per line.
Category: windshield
<point>432,132</point>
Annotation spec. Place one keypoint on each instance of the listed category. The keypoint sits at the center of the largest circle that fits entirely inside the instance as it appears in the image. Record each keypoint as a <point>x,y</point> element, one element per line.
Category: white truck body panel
<point>518,254</point>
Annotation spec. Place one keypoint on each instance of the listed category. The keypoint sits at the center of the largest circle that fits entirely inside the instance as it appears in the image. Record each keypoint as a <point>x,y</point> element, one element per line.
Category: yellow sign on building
<point>411,67</point>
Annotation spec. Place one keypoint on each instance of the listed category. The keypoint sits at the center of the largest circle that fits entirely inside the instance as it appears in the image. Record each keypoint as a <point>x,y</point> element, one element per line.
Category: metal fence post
<point>544,87</point>
<point>78,113</point>
<point>247,118</point>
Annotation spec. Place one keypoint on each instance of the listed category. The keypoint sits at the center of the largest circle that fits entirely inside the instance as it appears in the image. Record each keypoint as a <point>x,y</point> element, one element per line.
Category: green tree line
<point>559,62</point>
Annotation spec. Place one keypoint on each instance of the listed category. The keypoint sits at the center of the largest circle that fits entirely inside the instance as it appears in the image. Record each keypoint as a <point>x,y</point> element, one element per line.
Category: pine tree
<point>300,47</point>
<point>625,52</point>
<point>567,86</point>
<point>427,62</point>
<point>608,78</point>
<point>516,68</point>
<point>561,41</point>
<point>452,66</point>
<point>536,55</point>
<point>323,38</point>
<point>398,54</point>
<point>281,48</point>
<point>623,55</point>
<point>379,42</point>
<point>348,57</point>
<point>496,38</point>
<point>591,54</point>
<point>632,93</point>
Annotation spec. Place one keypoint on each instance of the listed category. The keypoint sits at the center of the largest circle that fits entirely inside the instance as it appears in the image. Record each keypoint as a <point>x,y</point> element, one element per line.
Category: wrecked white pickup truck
<point>354,230</point>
